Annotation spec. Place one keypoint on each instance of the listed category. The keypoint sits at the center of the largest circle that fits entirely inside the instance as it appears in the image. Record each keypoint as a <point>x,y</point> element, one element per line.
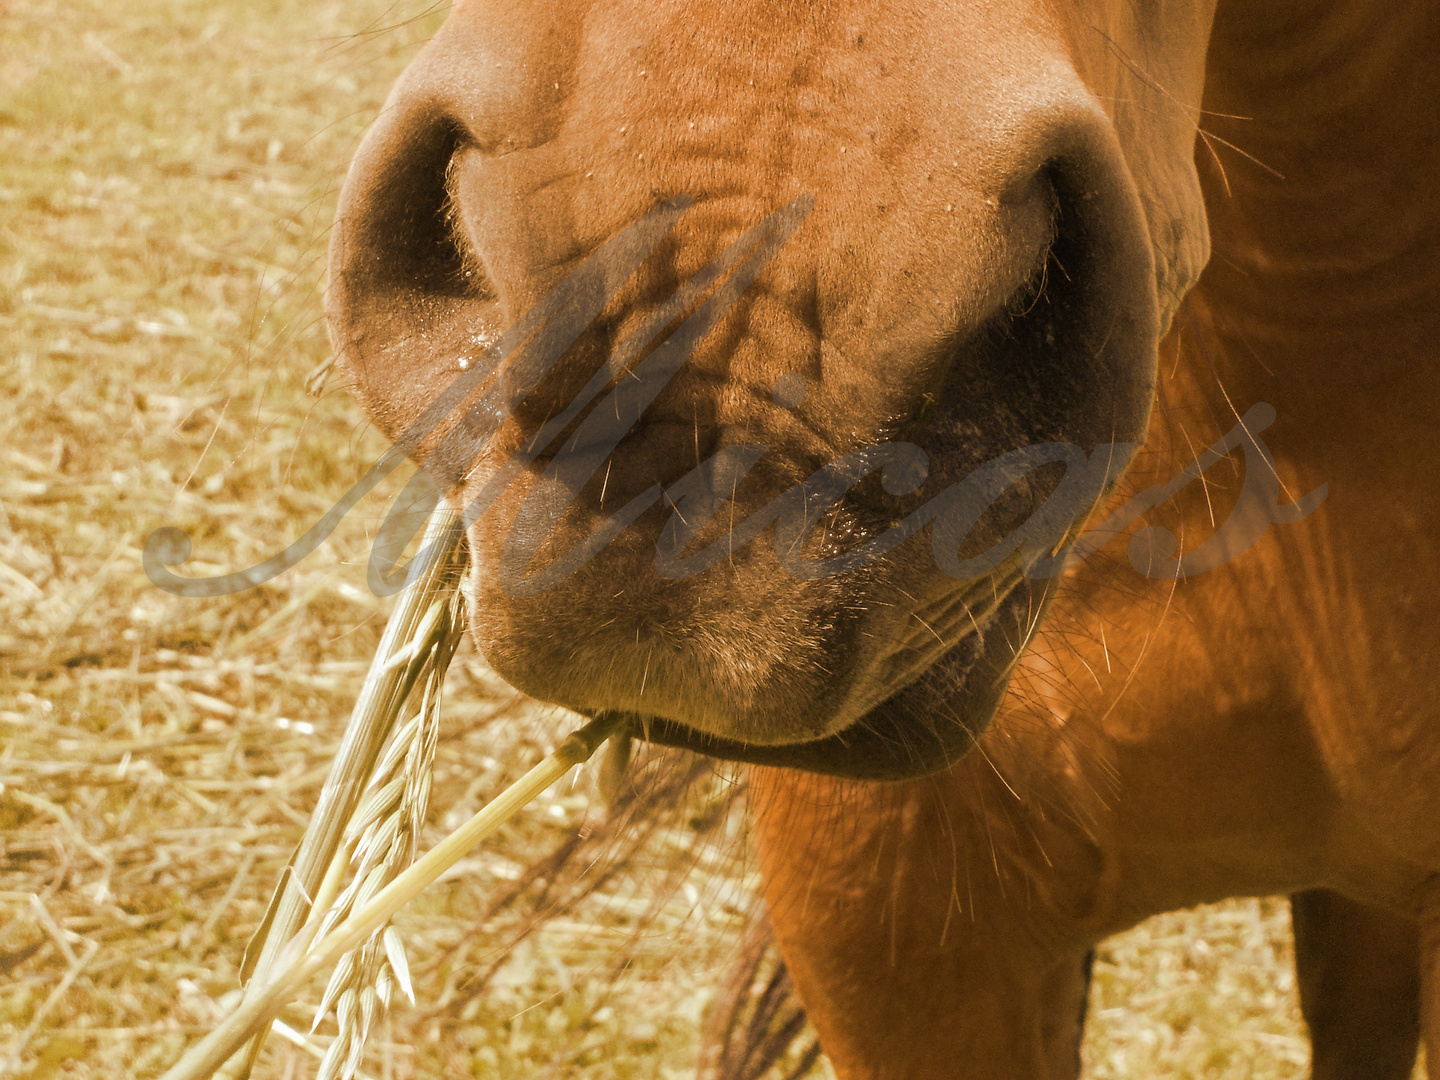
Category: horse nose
<point>1089,316</point>
<point>1010,287</point>
<point>1031,291</point>
<point>411,303</point>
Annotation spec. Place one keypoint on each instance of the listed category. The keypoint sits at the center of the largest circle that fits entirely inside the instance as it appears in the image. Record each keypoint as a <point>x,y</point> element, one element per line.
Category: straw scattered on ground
<point>167,172</point>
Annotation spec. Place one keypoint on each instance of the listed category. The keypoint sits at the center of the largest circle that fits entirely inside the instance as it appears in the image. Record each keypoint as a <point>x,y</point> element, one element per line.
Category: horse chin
<point>922,728</point>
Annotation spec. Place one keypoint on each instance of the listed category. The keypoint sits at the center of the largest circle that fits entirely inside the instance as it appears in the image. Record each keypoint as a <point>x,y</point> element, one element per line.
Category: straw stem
<point>260,1005</point>
<point>374,714</point>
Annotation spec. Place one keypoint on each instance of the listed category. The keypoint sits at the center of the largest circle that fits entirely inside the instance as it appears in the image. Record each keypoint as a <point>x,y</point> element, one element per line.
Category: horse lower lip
<point>923,727</point>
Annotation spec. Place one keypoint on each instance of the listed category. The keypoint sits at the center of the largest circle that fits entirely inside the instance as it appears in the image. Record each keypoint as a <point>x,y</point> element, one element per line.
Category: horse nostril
<point>408,307</point>
<point>394,227</point>
<point>1087,316</point>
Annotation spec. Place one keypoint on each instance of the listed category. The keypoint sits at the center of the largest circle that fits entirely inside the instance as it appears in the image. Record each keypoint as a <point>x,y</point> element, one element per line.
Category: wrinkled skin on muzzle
<point>950,235</point>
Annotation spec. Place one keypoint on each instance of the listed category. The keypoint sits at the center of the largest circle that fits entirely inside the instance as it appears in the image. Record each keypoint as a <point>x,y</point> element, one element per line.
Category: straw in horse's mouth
<point>348,929</point>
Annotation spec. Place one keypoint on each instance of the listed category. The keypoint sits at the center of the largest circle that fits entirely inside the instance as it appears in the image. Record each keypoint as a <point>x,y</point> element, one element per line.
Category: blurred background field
<point>168,169</point>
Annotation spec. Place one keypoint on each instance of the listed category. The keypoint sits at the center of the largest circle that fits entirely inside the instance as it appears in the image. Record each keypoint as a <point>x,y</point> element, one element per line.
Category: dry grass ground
<point>167,171</point>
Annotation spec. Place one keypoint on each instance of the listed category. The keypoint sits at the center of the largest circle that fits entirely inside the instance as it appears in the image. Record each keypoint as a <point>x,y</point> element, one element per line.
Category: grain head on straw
<point>370,824</point>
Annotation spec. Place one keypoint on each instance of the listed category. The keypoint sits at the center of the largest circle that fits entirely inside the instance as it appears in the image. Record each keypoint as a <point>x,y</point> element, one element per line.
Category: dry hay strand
<point>295,965</point>
<point>379,837</point>
<point>348,929</point>
<point>415,650</point>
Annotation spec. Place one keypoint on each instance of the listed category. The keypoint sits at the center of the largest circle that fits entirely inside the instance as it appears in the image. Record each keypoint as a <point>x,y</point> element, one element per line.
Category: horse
<point>814,361</point>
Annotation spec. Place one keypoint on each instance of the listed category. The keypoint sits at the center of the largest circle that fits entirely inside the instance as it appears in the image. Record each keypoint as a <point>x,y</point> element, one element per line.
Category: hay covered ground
<point>167,172</point>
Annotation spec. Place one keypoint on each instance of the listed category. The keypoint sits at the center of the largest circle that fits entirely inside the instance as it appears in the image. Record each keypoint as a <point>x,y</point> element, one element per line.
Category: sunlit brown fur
<point>1269,726</point>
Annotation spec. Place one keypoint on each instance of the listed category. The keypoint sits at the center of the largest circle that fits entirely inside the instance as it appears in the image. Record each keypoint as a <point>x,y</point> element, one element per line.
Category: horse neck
<point>1319,154</point>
